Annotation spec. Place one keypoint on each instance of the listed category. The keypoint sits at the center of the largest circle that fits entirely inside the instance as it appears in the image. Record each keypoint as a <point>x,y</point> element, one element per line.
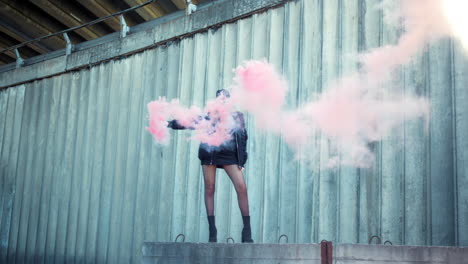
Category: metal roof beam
<point>10,53</point>
<point>37,16</point>
<point>100,10</point>
<point>143,36</point>
<point>28,24</point>
<point>71,18</point>
<point>148,12</point>
<point>4,59</point>
<point>26,51</point>
<point>182,4</point>
<point>21,37</point>
<point>167,6</point>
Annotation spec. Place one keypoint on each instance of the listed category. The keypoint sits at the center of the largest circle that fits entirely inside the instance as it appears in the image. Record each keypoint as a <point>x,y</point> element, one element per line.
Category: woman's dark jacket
<point>233,151</point>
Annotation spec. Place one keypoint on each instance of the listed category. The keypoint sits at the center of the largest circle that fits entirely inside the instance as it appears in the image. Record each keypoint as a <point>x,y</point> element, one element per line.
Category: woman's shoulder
<point>238,114</point>
<point>239,119</point>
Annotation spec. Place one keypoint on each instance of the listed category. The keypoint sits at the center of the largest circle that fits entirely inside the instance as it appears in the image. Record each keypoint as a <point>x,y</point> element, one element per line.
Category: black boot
<point>212,227</point>
<point>246,231</point>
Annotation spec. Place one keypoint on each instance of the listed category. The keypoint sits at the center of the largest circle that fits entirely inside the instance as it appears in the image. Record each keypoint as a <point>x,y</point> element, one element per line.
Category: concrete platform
<point>184,253</point>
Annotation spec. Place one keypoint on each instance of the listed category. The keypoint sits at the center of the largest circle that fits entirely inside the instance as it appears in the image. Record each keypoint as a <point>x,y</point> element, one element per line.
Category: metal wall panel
<point>82,180</point>
<point>460,124</point>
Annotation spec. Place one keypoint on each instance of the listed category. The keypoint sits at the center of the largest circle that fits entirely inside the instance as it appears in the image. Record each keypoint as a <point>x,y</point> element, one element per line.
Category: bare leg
<point>209,176</point>
<point>237,179</point>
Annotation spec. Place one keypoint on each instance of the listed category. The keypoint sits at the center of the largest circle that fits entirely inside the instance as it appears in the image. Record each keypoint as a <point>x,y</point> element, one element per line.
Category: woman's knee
<point>241,188</point>
<point>209,189</point>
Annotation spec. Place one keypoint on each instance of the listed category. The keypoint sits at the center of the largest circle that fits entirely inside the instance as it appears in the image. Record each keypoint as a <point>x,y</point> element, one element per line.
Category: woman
<point>231,156</point>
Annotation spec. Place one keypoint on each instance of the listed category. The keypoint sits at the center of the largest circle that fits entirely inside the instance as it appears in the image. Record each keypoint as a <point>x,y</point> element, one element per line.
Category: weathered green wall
<point>82,180</point>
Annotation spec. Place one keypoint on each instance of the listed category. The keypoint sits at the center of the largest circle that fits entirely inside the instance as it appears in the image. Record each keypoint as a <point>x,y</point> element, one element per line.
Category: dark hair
<point>224,91</point>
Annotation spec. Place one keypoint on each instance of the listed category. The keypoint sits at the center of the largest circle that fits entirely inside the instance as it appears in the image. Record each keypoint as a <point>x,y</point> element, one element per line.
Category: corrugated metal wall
<point>83,181</point>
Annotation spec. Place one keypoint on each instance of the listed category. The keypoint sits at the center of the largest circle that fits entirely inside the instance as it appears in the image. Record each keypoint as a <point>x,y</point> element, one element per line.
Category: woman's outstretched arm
<point>175,125</point>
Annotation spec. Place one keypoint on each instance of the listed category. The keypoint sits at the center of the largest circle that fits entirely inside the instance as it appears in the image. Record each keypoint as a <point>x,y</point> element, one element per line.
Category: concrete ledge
<point>141,37</point>
<point>184,253</point>
<point>230,253</point>
<point>355,253</point>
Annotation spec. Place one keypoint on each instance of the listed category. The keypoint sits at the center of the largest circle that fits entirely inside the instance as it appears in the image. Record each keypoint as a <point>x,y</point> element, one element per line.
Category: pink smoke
<point>216,130</point>
<point>422,21</point>
<point>158,120</point>
<point>351,117</point>
<point>349,114</point>
<point>211,126</point>
<point>262,94</point>
<point>352,112</point>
